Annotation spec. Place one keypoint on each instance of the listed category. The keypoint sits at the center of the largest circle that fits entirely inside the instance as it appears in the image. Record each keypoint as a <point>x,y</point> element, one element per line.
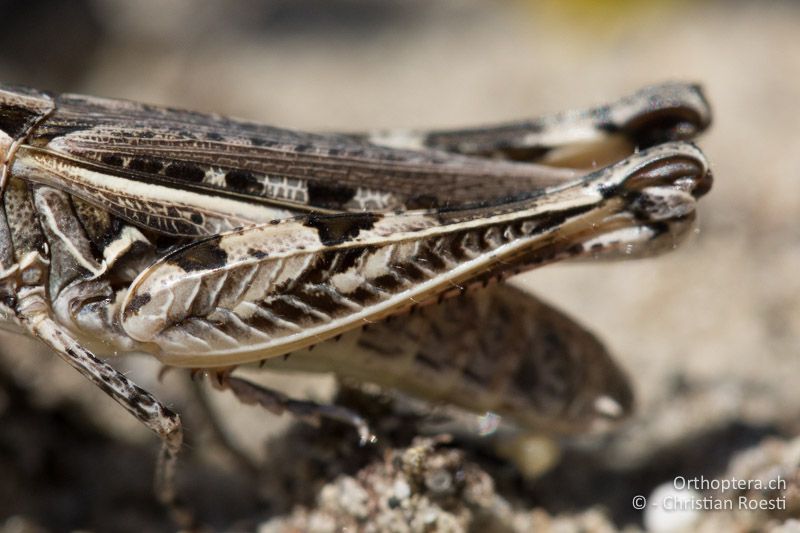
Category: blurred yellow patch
<point>602,16</point>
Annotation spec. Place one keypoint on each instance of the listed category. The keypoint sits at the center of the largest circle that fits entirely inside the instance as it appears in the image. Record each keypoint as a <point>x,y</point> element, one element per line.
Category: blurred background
<point>709,334</point>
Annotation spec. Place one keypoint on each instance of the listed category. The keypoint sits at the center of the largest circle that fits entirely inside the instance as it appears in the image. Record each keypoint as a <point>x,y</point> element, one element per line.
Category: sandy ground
<point>709,334</point>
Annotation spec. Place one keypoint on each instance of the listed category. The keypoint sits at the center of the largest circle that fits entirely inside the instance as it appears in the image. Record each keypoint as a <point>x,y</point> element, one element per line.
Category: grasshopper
<point>210,242</point>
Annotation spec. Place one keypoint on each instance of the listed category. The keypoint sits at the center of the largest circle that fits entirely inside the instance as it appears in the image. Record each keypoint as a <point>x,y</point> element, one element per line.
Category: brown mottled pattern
<point>301,293</point>
<point>98,223</point>
<point>496,350</point>
<point>22,219</point>
<point>458,179</point>
<point>137,228</point>
<point>172,215</point>
<point>149,140</point>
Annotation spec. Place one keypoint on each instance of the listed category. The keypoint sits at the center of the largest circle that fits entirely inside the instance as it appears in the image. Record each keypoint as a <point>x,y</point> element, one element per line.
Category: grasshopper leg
<point>278,403</point>
<point>34,312</point>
